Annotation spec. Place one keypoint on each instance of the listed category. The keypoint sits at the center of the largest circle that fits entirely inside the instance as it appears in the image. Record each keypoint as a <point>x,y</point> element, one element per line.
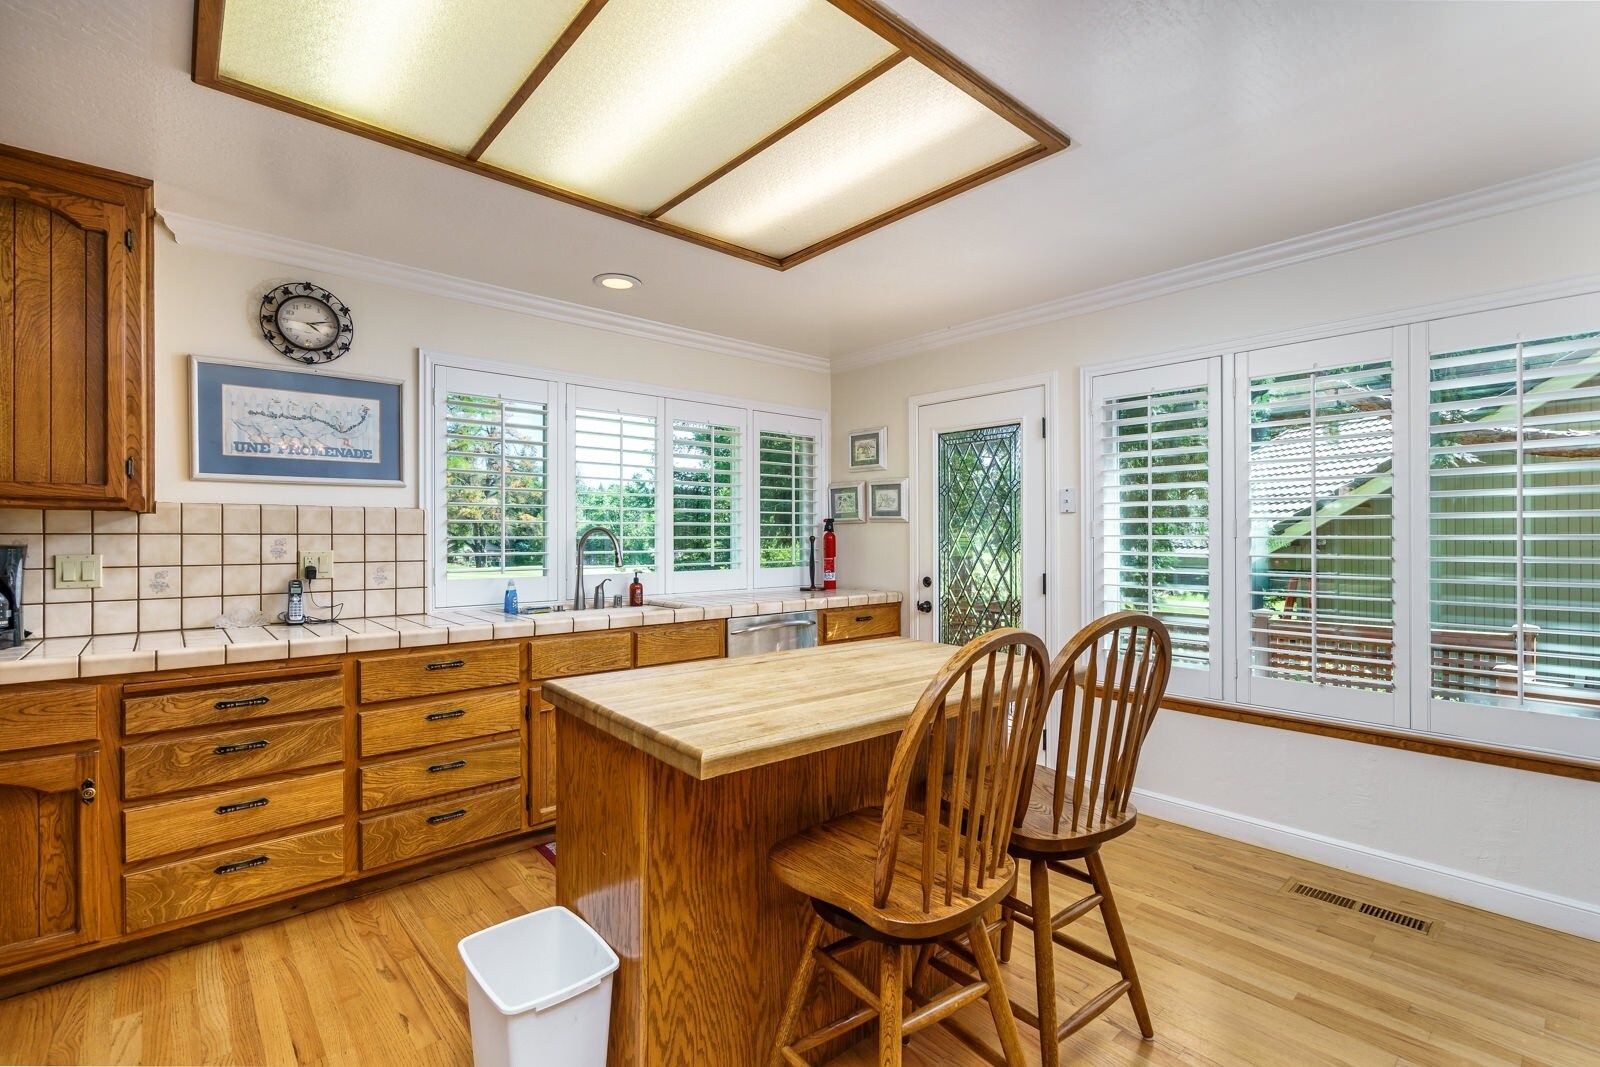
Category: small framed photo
<point>869,449</point>
<point>845,501</point>
<point>886,501</point>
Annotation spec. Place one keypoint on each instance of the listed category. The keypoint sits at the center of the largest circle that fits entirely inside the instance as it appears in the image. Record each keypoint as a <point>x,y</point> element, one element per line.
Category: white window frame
<point>738,576</point>
<point>561,508</point>
<point>1560,309</point>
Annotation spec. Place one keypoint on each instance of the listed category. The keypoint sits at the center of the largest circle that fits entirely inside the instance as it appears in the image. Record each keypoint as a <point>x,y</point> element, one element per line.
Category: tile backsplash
<point>182,565</point>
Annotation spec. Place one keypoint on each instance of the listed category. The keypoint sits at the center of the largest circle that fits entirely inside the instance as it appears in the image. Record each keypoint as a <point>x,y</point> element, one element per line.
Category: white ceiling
<point>1200,127</point>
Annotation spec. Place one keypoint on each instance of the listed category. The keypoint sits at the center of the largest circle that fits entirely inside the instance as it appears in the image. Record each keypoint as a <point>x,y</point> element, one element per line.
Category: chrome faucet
<point>583,539</point>
<point>600,593</point>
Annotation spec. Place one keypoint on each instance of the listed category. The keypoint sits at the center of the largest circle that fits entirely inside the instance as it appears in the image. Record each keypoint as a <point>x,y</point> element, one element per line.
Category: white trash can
<point>539,992</point>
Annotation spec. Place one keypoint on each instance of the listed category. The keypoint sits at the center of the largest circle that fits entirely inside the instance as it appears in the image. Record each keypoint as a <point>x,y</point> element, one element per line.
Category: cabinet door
<point>47,836</point>
<point>543,764</point>
<point>73,340</point>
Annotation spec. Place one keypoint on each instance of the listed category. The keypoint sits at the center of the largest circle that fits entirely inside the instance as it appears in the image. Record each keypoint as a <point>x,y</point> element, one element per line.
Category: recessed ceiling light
<point>617,281</point>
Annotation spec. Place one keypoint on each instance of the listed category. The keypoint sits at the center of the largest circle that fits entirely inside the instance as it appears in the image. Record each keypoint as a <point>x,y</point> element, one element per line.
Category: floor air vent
<point>1339,900</point>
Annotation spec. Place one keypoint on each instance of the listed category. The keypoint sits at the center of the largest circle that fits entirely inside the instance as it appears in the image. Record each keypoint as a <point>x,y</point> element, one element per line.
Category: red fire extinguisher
<point>830,552</point>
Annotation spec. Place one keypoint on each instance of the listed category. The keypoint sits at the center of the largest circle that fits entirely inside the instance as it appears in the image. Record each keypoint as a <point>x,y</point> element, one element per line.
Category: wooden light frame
<point>908,42</point>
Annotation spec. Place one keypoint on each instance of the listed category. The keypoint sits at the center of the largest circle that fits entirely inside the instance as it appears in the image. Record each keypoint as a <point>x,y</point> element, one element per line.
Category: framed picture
<point>869,449</point>
<point>886,501</point>
<point>255,422</point>
<point>844,502</point>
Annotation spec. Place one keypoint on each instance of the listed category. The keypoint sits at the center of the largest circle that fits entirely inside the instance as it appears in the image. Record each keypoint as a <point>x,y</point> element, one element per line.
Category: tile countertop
<point>89,657</point>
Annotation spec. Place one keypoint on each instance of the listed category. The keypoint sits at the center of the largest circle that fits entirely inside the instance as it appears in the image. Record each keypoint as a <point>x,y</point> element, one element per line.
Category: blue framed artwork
<point>255,422</point>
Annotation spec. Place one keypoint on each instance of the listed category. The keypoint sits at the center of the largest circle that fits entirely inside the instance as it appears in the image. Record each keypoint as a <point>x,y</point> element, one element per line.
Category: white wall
<point>207,304</point>
<point>1509,835</point>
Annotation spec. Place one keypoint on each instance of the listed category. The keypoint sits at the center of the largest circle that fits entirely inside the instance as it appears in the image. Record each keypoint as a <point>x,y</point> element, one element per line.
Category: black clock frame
<point>273,299</point>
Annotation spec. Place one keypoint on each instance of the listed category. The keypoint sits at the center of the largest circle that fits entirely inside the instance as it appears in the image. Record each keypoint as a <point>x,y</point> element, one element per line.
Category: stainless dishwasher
<point>779,632</point>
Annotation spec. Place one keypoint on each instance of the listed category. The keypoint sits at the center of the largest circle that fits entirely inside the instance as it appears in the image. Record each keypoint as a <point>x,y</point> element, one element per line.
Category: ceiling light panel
<point>906,134</point>
<point>437,71</point>
<point>657,94</point>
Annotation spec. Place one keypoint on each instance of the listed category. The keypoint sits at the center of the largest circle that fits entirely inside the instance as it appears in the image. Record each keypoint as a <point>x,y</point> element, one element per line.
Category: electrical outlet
<point>1069,501</point>
<point>78,572</point>
<point>322,561</point>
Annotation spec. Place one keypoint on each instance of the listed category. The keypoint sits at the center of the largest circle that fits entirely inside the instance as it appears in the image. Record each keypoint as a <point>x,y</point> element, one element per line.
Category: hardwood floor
<point>1237,971</point>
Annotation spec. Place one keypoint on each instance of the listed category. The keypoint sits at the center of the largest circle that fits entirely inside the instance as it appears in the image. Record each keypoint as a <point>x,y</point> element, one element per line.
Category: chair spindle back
<point>978,722</point>
<point>1112,677</point>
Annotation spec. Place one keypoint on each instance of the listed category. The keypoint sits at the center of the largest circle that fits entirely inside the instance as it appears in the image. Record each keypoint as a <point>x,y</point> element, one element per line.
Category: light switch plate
<point>1069,501</point>
<point>323,561</point>
<point>78,572</point>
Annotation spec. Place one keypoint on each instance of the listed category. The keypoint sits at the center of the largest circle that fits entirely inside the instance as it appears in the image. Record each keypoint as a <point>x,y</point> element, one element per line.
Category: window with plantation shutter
<point>494,484</point>
<point>614,451</point>
<point>1319,494</point>
<point>707,496</point>
<point>1155,458</point>
<point>786,494</point>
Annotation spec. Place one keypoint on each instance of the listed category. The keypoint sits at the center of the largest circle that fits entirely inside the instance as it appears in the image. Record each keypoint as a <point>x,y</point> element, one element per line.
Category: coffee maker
<point>11,562</point>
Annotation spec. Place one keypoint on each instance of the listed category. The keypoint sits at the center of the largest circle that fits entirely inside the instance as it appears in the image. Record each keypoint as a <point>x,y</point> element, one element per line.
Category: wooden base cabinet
<point>49,869</point>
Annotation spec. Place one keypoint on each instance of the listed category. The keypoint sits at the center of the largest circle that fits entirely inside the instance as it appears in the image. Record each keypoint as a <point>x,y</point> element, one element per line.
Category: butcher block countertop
<point>715,717</point>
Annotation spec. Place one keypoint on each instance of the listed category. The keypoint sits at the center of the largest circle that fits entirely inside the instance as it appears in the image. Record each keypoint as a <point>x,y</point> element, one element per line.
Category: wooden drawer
<point>441,670</point>
<point>852,624</point>
<point>227,704</point>
<point>567,654</point>
<point>677,644</point>
<point>34,718</point>
<point>442,824</point>
<point>153,767</point>
<point>412,778</point>
<point>170,826</point>
<point>193,887</point>
<point>435,722</point>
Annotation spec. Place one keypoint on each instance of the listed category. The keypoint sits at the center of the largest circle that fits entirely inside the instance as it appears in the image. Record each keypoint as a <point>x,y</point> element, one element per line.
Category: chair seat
<point>834,863</point>
<point>1037,835</point>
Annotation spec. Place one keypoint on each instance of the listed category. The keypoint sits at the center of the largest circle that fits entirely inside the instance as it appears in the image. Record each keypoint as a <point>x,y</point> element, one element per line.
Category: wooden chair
<point>1112,676</point>
<point>897,876</point>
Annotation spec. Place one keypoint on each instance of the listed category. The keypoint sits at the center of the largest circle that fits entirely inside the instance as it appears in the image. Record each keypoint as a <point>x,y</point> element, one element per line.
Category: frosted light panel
<point>657,94</point>
<point>907,133</point>
<point>438,71</point>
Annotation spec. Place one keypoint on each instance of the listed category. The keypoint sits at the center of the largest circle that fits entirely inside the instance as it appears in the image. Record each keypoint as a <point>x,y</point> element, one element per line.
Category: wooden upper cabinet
<point>75,334</point>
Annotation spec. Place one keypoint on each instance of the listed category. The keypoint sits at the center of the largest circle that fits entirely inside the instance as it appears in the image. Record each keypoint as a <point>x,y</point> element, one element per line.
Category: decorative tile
<point>116,522</point>
<point>238,580</point>
<point>21,521</point>
<point>410,546</point>
<point>160,550</point>
<point>241,518</point>
<point>119,549</point>
<point>279,519</point>
<point>68,620</point>
<point>68,522</point>
<point>380,548</point>
<point>118,583</point>
<point>202,518</point>
<point>160,615</point>
<point>410,521</point>
<point>202,581</point>
<point>380,575</point>
<point>200,612</point>
<point>202,550</point>
<point>316,520</point>
<point>349,521</point>
<point>159,582</point>
<point>116,617</point>
<point>279,548</point>
<point>241,550</point>
<point>165,519</point>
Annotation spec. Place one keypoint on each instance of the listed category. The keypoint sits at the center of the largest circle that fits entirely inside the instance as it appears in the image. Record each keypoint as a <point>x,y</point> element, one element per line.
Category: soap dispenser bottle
<point>636,592</point>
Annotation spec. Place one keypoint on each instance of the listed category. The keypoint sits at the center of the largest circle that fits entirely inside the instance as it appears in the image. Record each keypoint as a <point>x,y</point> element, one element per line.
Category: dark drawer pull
<point>242,865</point>
<point>453,765</point>
<point>440,716</point>
<point>447,665</point>
<point>252,702</point>
<point>863,618</point>
<point>229,809</point>
<point>248,746</point>
<point>446,816</point>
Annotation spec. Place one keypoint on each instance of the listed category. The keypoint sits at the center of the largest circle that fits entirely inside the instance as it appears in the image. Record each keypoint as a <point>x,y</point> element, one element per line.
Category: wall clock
<point>306,322</point>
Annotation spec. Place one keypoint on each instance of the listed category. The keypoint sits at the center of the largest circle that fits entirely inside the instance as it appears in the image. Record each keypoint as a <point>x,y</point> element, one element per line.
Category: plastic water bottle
<point>511,598</point>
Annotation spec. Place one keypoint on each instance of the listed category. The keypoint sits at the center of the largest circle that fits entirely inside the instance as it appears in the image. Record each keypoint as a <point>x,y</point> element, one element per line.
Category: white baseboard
<point>1519,902</point>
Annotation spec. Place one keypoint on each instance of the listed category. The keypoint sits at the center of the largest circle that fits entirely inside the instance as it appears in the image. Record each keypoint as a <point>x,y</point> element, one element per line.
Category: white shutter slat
<point>786,496</point>
<point>707,490</point>
<point>614,463</point>
<point>494,484</point>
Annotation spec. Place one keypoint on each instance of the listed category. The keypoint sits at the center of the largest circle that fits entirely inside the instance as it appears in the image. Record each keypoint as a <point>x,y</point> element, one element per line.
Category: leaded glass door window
<point>980,534</point>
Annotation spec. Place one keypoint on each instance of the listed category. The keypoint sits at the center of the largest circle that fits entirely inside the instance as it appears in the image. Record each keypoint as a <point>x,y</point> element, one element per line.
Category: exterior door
<point>980,516</point>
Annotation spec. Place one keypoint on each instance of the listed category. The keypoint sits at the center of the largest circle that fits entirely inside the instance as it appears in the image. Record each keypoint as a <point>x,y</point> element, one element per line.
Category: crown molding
<point>1559,184</point>
<point>238,240</point>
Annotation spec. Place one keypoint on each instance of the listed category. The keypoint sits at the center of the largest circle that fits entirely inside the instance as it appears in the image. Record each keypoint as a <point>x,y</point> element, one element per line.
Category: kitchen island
<point>675,782</point>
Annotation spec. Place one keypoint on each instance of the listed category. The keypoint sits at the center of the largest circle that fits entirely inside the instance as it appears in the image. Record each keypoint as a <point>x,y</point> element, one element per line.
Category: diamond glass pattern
<point>980,532</point>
